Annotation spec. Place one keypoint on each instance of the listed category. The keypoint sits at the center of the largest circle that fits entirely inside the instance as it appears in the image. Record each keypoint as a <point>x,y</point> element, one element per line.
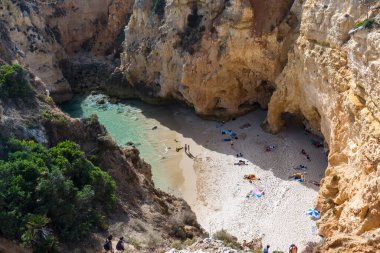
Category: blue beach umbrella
<point>313,214</point>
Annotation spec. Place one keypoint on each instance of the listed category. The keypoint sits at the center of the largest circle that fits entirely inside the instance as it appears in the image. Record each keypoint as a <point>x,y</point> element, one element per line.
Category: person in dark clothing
<point>120,245</point>
<point>108,244</point>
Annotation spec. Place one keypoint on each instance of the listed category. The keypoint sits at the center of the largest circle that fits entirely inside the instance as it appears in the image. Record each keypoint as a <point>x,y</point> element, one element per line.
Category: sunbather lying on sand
<point>251,177</point>
<point>241,162</point>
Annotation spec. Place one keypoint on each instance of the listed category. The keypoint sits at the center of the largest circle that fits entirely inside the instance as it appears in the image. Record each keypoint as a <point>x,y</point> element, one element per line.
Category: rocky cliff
<point>150,217</point>
<point>225,58</point>
<point>292,57</point>
<point>55,38</point>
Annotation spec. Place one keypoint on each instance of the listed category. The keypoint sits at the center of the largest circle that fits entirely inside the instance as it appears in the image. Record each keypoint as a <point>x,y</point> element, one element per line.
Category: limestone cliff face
<point>222,57</point>
<point>44,35</point>
<point>332,79</point>
<point>208,53</point>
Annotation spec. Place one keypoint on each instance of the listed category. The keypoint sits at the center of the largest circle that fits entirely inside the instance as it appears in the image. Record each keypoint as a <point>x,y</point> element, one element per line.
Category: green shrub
<point>48,116</point>
<point>133,241</point>
<point>177,231</point>
<point>13,83</point>
<point>159,7</point>
<point>176,245</point>
<point>228,239</point>
<point>367,23</point>
<point>56,189</point>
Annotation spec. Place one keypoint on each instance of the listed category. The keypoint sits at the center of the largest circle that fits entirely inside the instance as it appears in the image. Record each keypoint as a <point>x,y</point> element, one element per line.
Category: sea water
<point>126,122</point>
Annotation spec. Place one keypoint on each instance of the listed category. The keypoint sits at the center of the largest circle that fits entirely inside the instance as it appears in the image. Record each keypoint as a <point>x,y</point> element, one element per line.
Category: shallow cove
<point>126,122</point>
<point>210,182</point>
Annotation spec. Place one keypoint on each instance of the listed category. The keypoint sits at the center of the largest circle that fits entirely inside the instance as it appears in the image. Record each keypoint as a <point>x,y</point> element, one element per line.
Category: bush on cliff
<point>13,83</point>
<point>51,192</point>
<point>228,239</point>
<point>159,7</point>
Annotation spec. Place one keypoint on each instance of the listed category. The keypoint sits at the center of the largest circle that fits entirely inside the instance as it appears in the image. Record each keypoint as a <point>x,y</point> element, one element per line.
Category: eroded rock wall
<point>207,53</point>
<point>332,79</point>
<point>46,36</point>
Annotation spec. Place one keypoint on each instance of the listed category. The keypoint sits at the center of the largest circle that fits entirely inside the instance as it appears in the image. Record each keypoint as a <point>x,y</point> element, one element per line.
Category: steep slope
<point>142,211</point>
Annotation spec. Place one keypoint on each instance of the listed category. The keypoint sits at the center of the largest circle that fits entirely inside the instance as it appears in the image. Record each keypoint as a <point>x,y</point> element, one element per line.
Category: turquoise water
<point>125,121</point>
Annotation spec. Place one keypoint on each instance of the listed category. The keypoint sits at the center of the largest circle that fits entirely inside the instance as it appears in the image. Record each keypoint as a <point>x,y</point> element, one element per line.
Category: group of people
<point>107,246</point>
<point>292,249</point>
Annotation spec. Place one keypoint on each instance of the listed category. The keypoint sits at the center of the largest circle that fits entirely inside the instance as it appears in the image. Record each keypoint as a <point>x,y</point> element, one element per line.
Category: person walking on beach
<point>108,244</point>
<point>266,249</point>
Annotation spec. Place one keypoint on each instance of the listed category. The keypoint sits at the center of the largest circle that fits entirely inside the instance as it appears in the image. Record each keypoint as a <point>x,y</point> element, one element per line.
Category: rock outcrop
<point>207,53</point>
<point>47,36</point>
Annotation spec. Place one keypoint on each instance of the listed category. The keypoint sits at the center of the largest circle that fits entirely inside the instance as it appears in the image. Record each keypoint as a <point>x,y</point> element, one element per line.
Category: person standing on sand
<point>266,249</point>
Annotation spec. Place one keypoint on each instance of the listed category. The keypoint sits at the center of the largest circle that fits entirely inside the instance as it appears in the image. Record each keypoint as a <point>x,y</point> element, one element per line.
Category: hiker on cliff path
<point>108,244</point>
<point>120,245</point>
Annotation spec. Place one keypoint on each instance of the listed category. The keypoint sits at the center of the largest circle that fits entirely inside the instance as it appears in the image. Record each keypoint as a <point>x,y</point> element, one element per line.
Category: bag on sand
<point>107,245</point>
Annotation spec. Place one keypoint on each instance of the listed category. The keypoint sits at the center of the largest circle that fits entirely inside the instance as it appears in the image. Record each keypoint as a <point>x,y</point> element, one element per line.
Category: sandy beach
<point>215,189</point>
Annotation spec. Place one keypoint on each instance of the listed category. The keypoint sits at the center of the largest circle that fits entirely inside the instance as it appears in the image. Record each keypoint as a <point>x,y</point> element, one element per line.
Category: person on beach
<point>232,143</point>
<point>185,147</point>
<point>266,249</point>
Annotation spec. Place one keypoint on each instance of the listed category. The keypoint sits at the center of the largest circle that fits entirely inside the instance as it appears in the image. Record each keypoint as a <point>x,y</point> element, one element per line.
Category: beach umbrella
<point>313,213</point>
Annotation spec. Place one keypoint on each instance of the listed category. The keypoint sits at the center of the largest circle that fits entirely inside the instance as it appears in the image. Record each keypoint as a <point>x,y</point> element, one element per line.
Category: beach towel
<point>255,193</point>
<point>227,139</point>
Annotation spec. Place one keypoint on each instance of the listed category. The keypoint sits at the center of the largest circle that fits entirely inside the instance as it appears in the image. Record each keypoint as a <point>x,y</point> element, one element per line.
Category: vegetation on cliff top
<point>49,193</point>
<point>13,83</point>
